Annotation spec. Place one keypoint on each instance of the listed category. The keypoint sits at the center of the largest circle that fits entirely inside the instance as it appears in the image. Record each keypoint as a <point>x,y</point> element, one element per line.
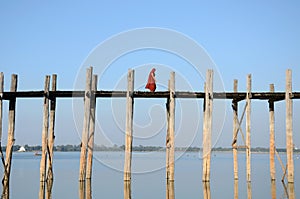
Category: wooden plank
<point>45,130</point>
<point>207,126</point>
<point>11,133</point>
<point>235,129</point>
<point>91,129</point>
<point>129,125</point>
<point>272,136</point>
<point>248,129</point>
<point>289,127</point>
<point>86,124</point>
<point>170,142</point>
<point>51,136</point>
<point>278,96</point>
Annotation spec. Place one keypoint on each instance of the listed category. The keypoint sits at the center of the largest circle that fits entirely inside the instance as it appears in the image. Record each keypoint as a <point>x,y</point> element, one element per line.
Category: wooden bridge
<point>91,93</point>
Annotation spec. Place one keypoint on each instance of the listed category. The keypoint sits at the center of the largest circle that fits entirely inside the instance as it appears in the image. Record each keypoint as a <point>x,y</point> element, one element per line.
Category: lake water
<point>149,178</point>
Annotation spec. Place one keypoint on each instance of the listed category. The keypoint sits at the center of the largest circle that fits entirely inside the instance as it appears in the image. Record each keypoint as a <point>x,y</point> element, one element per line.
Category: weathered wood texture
<point>91,129</point>
<point>272,136</point>
<point>129,125</point>
<point>45,129</point>
<point>248,129</point>
<point>1,103</point>
<point>51,135</point>
<point>170,141</point>
<point>289,127</point>
<point>207,126</point>
<point>11,133</point>
<point>158,94</point>
<point>86,124</point>
<point>235,130</point>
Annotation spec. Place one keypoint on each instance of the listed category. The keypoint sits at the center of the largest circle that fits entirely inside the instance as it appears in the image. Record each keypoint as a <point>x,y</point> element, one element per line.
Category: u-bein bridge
<point>91,93</point>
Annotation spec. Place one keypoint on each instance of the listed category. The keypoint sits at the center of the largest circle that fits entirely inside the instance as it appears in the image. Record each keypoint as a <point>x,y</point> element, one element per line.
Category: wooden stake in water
<point>248,129</point>
<point>11,132</point>
<point>91,129</point>
<point>51,135</point>
<point>129,125</point>
<point>86,124</point>
<point>272,135</point>
<point>289,127</point>
<point>207,126</point>
<point>235,130</point>
<point>1,108</point>
<point>45,130</point>
<point>170,142</point>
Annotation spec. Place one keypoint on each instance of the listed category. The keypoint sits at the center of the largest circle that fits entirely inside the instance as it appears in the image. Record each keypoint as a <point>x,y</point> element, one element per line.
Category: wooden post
<point>51,136</point>
<point>11,132</point>
<point>129,125</point>
<point>272,135</point>
<point>235,130</point>
<point>91,129</point>
<point>86,124</point>
<point>170,141</point>
<point>207,126</point>
<point>1,108</point>
<point>248,129</point>
<point>45,130</point>
<point>289,127</point>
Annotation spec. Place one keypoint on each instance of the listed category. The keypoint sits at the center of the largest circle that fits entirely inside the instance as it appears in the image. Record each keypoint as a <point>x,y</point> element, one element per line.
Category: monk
<point>151,84</point>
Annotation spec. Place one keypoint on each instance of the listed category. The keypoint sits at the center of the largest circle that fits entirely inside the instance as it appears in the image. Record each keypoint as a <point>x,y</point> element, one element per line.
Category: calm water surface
<point>148,180</point>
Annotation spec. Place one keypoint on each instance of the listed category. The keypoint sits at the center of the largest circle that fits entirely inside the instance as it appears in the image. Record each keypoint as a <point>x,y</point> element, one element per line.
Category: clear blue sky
<point>39,38</point>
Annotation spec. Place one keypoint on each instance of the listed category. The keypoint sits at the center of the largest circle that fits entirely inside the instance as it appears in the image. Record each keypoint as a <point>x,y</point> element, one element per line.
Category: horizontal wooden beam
<point>276,96</point>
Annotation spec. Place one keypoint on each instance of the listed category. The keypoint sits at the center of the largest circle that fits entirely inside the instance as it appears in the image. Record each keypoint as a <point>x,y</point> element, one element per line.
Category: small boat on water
<point>22,149</point>
<point>37,153</point>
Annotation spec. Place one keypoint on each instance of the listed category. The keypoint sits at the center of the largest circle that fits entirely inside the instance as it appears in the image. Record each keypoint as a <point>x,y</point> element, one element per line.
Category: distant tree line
<point>139,148</point>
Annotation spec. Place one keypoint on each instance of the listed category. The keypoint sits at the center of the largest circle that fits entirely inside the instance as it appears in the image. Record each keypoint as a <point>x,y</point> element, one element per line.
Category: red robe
<point>151,85</point>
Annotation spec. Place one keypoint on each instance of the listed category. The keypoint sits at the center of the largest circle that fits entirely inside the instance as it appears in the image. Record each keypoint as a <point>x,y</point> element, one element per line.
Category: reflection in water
<point>206,190</point>
<point>236,189</point>
<point>127,189</point>
<point>5,191</point>
<point>85,189</point>
<point>170,189</point>
<point>273,189</point>
<point>46,189</point>
<point>291,191</point>
<point>249,190</point>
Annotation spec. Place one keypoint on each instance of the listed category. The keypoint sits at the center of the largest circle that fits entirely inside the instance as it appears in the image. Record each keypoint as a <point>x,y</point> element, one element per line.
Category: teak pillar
<point>45,130</point>
<point>91,129</point>
<point>289,127</point>
<point>248,129</point>
<point>86,124</point>
<point>170,141</point>
<point>272,135</point>
<point>235,131</point>
<point>1,107</point>
<point>207,126</point>
<point>11,132</point>
<point>129,125</point>
<point>51,135</point>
